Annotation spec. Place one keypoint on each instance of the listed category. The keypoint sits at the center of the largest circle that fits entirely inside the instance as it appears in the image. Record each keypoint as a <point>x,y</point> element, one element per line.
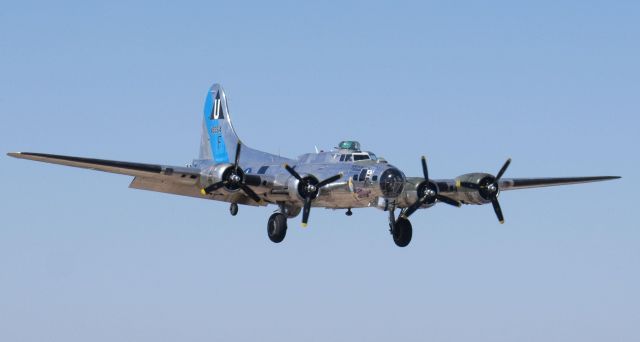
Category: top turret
<point>349,145</point>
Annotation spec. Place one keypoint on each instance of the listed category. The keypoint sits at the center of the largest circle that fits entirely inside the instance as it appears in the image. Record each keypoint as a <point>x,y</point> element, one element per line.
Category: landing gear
<point>349,212</point>
<point>233,209</point>
<point>277,227</point>
<point>400,229</point>
<point>402,232</point>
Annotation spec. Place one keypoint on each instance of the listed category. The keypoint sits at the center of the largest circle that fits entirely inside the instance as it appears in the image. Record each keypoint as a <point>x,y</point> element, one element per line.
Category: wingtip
<point>606,178</point>
<point>14,154</point>
<point>304,225</point>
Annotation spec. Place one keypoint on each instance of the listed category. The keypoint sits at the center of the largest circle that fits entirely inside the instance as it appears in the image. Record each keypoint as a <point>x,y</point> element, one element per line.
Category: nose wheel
<point>233,209</point>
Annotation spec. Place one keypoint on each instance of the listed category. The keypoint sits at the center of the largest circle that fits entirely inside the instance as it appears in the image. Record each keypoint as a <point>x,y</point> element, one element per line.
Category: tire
<point>233,209</point>
<point>277,227</point>
<point>402,232</point>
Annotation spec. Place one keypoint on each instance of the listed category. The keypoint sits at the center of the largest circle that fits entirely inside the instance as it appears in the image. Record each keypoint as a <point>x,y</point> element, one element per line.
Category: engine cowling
<point>298,189</point>
<point>473,196</point>
<point>224,172</point>
<point>214,174</point>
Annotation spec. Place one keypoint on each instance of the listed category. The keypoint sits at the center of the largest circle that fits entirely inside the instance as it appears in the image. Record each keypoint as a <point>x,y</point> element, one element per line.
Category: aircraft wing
<point>113,166</point>
<point>177,180</point>
<point>449,185</point>
<point>526,183</point>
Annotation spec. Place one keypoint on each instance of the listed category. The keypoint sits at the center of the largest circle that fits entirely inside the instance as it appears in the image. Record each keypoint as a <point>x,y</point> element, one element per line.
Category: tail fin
<point>218,141</point>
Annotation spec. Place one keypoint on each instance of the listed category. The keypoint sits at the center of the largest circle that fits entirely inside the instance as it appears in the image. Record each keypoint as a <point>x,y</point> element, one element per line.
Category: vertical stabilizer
<point>218,141</point>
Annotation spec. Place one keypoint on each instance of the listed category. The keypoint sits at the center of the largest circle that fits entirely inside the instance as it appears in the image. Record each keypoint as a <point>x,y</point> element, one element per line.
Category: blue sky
<point>552,85</point>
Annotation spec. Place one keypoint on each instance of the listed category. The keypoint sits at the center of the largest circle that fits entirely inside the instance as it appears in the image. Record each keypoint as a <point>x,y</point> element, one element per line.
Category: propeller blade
<point>421,201</point>
<point>448,200</point>
<point>425,171</point>
<point>412,208</point>
<point>211,188</point>
<point>470,185</point>
<point>247,190</point>
<point>497,209</point>
<point>306,210</point>
<point>503,169</point>
<point>329,180</point>
<point>292,172</point>
<point>238,147</point>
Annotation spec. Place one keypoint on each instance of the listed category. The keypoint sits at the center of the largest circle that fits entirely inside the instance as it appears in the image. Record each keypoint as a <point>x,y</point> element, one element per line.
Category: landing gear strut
<point>233,209</point>
<point>277,227</point>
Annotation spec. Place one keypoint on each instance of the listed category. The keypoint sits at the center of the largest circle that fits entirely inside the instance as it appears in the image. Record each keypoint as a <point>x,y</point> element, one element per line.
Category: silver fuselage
<point>360,185</point>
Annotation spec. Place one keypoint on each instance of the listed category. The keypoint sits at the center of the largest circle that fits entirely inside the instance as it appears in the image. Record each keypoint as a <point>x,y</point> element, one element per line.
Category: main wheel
<point>233,209</point>
<point>277,227</point>
<point>402,232</point>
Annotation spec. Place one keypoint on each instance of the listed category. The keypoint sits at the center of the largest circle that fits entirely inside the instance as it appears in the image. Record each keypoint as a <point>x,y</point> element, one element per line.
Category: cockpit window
<point>356,157</point>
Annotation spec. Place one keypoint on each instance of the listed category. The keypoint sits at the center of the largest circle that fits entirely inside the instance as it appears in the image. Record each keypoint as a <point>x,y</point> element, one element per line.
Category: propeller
<point>430,193</point>
<point>309,188</point>
<point>489,188</point>
<point>234,178</point>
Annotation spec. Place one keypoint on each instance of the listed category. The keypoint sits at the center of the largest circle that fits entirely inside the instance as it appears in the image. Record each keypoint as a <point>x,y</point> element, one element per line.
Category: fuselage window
<point>363,174</point>
<point>348,158</point>
<point>342,158</point>
<point>357,157</point>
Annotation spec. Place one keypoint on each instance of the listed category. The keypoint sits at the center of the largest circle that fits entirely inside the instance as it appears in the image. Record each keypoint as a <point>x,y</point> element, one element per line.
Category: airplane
<point>346,177</point>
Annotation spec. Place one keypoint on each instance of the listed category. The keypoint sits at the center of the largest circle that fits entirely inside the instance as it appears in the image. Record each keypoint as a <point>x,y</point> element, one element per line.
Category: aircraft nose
<point>392,182</point>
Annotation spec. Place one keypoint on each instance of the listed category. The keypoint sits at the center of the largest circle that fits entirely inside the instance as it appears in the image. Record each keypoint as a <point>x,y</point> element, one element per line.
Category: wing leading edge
<point>526,183</point>
<point>112,166</point>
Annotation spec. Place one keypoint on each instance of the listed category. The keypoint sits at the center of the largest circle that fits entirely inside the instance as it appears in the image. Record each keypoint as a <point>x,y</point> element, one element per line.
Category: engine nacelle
<point>226,172</point>
<point>214,174</point>
<point>471,196</point>
<point>413,192</point>
<point>296,188</point>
